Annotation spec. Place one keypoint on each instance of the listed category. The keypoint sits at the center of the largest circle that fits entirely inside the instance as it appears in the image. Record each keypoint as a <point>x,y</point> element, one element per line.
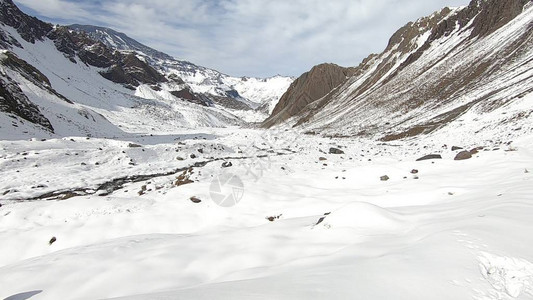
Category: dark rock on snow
<point>431,156</point>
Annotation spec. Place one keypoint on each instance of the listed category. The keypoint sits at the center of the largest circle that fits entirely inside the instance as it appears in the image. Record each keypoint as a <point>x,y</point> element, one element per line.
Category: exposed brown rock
<point>309,87</point>
<point>463,155</point>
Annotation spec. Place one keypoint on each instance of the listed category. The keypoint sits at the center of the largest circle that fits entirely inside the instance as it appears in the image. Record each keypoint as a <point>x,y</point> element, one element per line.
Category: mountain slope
<point>473,59</point>
<point>56,81</point>
<point>245,93</point>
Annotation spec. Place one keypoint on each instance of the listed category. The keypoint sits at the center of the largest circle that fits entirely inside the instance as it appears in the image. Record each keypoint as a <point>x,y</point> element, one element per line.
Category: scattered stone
<point>414,171</point>
<point>322,218</point>
<point>384,178</point>
<point>430,156</point>
<point>180,158</point>
<point>184,178</point>
<point>335,151</point>
<point>463,155</point>
<point>193,156</point>
<point>227,164</point>
<point>52,240</point>
<point>142,191</point>
<point>322,159</point>
<point>132,145</point>
<point>273,218</point>
<point>526,171</point>
<point>83,164</point>
<point>201,150</point>
<point>195,199</point>
<point>455,148</point>
<point>415,177</point>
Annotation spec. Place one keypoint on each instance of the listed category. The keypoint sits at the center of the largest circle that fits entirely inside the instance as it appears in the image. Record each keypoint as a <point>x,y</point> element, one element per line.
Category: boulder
<point>430,156</point>
<point>335,151</point>
<point>463,155</point>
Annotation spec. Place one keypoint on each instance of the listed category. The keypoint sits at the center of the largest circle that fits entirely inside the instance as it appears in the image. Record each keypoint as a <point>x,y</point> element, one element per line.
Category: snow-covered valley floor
<point>307,224</point>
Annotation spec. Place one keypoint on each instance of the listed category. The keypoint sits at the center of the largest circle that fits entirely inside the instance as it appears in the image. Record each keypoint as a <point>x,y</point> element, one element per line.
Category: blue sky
<point>248,37</point>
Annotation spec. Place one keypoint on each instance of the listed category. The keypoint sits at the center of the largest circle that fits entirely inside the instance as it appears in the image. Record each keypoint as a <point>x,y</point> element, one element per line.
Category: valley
<point>127,173</point>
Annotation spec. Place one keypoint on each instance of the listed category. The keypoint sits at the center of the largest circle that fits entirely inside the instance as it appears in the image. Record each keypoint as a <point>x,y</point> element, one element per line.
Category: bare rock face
<point>14,101</point>
<point>309,87</point>
<point>29,28</point>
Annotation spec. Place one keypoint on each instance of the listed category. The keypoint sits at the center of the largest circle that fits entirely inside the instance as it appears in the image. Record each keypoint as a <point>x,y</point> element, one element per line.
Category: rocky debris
<point>143,190</point>
<point>322,218</point>
<point>52,240</point>
<point>455,148</point>
<point>227,164</point>
<point>273,218</point>
<point>333,150</point>
<point>463,155</point>
<point>201,151</point>
<point>184,178</point>
<point>322,159</point>
<point>180,158</point>
<point>414,171</point>
<point>430,156</point>
<point>132,145</point>
<point>384,178</point>
<point>193,156</point>
<point>195,199</point>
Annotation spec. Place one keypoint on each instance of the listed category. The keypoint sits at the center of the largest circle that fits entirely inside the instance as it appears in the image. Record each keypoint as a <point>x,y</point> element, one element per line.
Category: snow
<point>457,229</point>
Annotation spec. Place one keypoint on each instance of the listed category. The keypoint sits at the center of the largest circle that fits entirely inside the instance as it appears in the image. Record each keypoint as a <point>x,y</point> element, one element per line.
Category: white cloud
<point>250,37</point>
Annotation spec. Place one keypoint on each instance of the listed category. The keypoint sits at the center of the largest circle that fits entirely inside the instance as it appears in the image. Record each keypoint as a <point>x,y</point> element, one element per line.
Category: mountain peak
<point>29,28</point>
<point>118,40</point>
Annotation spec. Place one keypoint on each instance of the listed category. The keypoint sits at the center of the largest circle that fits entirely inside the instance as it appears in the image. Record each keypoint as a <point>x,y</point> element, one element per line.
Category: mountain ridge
<point>433,71</point>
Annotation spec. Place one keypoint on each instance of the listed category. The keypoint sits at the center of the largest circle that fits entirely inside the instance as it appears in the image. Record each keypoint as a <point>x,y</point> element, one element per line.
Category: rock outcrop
<point>308,88</point>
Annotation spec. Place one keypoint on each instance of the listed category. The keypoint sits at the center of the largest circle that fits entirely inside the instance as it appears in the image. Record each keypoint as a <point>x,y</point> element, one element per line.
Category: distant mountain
<point>86,80</point>
<point>56,81</point>
<point>467,62</point>
<point>235,93</point>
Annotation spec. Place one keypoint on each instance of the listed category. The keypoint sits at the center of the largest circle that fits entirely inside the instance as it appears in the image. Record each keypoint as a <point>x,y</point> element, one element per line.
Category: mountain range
<point>456,64</point>
<point>93,81</point>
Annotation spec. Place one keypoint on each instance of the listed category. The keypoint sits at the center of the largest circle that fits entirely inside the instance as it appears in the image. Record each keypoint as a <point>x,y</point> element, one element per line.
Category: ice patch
<point>509,276</point>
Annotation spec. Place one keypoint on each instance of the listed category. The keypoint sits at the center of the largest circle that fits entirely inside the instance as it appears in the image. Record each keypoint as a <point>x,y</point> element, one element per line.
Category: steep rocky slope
<point>469,60</point>
<point>311,86</point>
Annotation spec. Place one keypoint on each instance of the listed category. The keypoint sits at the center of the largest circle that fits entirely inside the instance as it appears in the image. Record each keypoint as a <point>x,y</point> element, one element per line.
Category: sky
<point>248,37</point>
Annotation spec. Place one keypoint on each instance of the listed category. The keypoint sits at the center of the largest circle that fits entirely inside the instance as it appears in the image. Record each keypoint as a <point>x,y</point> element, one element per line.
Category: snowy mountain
<point>232,92</point>
<point>61,80</point>
<point>462,63</point>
